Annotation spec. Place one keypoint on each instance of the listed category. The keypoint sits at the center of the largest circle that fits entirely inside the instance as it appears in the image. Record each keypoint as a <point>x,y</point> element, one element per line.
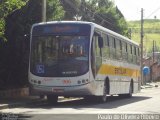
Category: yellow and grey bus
<point>82,59</point>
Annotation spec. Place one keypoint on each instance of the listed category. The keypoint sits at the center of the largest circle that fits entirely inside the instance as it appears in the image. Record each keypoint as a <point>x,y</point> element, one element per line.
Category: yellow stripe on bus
<point>120,71</point>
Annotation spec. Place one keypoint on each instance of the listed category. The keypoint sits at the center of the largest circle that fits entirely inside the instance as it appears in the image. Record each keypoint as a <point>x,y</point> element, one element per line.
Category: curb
<point>149,86</point>
<point>14,93</point>
<point>35,102</point>
<point>29,102</point>
<point>19,104</point>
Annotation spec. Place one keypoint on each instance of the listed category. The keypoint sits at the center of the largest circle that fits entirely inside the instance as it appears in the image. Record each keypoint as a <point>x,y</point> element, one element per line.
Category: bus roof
<point>92,24</point>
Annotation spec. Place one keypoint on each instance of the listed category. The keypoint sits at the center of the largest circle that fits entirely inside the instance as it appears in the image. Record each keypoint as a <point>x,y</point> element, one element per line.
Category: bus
<point>82,59</point>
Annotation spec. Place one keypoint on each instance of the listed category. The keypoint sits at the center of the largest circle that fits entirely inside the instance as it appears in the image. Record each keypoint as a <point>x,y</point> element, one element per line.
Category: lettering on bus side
<point>120,71</point>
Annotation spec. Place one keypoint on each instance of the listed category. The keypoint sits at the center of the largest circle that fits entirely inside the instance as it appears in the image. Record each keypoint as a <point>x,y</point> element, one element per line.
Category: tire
<point>130,91</point>
<point>103,98</point>
<point>52,99</point>
<point>42,96</point>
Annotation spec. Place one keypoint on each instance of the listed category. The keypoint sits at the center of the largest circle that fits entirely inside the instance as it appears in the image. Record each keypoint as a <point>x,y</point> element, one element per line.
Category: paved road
<point>145,102</point>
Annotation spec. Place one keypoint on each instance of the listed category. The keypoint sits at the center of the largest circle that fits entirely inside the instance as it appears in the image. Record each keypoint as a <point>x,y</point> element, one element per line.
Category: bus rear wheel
<point>52,99</point>
<point>130,91</point>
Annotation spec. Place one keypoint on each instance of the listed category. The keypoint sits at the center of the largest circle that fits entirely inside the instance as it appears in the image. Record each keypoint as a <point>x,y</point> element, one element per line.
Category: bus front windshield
<point>59,56</point>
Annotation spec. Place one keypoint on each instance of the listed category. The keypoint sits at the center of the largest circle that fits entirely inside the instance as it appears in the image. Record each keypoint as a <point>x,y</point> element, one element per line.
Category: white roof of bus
<point>95,25</point>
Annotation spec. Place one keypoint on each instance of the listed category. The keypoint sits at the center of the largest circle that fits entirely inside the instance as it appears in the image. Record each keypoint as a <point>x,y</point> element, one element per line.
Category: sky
<point>131,9</point>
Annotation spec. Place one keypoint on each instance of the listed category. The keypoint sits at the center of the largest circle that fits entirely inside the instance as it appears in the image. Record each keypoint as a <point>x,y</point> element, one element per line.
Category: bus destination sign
<point>62,29</point>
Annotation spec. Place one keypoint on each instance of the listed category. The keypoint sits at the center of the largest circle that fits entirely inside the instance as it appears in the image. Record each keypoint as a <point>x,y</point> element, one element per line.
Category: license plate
<point>57,90</point>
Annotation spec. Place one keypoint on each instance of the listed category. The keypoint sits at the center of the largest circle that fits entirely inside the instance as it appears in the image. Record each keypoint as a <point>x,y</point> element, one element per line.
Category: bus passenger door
<point>96,54</point>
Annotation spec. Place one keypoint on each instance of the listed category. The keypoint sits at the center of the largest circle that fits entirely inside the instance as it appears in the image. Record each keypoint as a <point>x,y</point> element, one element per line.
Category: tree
<point>15,52</point>
<point>54,10</point>
<point>108,15</point>
<point>103,12</point>
<point>6,8</point>
<point>71,7</point>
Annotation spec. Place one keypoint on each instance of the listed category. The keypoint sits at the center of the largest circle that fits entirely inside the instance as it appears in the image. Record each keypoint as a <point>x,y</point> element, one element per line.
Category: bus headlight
<point>83,81</point>
<point>39,82</point>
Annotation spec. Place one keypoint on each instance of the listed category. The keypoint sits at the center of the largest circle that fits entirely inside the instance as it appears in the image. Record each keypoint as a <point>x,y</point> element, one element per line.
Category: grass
<point>151,32</point>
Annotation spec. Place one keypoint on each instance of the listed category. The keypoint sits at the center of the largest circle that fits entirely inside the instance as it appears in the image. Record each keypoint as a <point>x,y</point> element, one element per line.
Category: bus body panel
<point>119,74</point>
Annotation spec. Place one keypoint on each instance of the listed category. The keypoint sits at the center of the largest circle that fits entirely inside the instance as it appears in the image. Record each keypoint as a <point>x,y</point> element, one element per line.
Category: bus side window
<point>114,47</point>
<point>128,52</point>
<point>123,51</point>
<point>107,40</point>
<point>130,55</point>
<point>93,60</point>
<point>134,55</point>
<point>105,51</point>
<point>120,42</point>
<point>114,43</point>
<point>110,46</point>
<point>138,56</point>
<point>98,52</point>
<point>138,52</point>
<point>118,49</point>
<point>126,47</point>
<point>107,47</point>
<point>131,49</point>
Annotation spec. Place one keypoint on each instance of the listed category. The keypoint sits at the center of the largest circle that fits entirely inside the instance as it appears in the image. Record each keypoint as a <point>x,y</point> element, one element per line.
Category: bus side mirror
<point>100,42</point>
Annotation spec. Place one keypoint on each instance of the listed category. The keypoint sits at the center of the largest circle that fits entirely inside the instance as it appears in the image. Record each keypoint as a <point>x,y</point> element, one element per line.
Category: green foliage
<point>151,32</point>
<point>2,26</point>
<point>6,8</point>
<point>54,10</point>
<point>112,18</point>
<point>102,12</point>
<point>17,17</point>
<point>15,52</point>
<point>71,8</point>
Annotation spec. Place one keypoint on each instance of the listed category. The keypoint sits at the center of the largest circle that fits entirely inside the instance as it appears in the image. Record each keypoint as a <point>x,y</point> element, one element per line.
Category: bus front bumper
<point>81,90</point>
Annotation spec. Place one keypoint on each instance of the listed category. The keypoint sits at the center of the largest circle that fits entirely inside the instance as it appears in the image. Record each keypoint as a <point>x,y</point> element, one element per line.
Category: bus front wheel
<point>52,99</point>
<point>103,98</point>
